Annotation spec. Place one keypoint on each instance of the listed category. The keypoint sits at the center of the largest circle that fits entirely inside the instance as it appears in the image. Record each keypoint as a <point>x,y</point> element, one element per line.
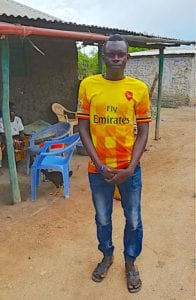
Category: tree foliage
<point>136,49</point>
<point>88,63</point>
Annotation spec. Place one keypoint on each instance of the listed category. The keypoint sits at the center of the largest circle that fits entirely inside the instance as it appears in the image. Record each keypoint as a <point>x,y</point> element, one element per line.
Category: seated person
<point>17,129</point>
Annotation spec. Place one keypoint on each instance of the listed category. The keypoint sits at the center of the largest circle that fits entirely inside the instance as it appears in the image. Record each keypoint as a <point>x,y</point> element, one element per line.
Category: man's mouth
<point>116,66</point>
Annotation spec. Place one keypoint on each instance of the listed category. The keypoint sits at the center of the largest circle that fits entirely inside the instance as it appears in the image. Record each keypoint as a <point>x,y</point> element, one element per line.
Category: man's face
<point>115,55</point>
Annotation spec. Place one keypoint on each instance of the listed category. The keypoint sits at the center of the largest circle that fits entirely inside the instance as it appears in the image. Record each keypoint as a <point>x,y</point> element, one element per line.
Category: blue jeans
<point>102,196</point>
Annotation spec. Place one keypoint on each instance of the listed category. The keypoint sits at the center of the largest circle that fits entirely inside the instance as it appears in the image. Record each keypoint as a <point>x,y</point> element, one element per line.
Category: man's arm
<point>138,149</point>
<point>139,145</point>
<point>1,137</point>
<point>84,130</point>
<point>21,135</point>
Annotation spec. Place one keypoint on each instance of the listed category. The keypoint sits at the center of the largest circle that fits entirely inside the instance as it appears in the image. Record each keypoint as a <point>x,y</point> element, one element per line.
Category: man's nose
<point>116,57</point>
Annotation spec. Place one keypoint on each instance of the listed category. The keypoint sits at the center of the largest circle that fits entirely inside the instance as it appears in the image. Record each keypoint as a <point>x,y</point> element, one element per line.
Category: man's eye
<point>121,54</point>
<point>112,55</point>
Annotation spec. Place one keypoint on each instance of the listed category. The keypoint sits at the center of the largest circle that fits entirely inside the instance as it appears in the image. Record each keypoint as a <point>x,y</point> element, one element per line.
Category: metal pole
<point>161,59</point>
<point>100,58</point>
<point>6,121</point>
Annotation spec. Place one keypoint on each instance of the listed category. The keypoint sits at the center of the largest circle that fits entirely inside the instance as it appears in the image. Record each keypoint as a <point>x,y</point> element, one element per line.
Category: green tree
<point>136,49</point>
<point>88,63</point>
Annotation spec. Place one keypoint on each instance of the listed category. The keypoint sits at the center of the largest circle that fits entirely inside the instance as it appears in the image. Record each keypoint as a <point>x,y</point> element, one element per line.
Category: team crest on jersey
<point>129,95</point>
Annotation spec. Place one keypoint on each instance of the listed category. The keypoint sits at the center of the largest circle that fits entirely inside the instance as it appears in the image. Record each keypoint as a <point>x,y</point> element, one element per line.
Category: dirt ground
<point>48,248</point>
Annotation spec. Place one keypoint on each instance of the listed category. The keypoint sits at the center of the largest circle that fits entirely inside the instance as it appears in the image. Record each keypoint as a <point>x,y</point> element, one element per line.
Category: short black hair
<point>116,37</point>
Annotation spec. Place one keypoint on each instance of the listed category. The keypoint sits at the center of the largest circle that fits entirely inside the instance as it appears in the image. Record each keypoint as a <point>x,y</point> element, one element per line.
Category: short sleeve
<point>83,109</point>
<point>142,108</point>
<point>1,126</point>
<point>19,124</point>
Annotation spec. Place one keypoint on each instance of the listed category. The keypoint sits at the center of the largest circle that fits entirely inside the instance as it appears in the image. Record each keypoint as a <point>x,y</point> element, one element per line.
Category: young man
<point>16,130</point>
<point>107,107</point>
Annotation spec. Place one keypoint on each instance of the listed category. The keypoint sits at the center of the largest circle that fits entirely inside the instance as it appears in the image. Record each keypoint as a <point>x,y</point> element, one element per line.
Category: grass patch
<point>169,105</point>
<point>163,105</point>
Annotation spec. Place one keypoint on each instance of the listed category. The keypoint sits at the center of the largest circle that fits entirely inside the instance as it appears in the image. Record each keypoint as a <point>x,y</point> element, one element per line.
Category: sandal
<point>102,268</point>
<point>134,283</point>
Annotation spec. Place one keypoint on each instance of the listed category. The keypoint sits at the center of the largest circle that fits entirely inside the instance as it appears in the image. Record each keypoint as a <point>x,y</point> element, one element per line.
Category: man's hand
<point>109,173</point>
<point>119,176</point>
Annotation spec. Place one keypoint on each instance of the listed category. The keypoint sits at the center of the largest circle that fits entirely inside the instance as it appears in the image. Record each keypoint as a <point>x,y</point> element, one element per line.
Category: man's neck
<point>114,76</point>
<point>12,118</point>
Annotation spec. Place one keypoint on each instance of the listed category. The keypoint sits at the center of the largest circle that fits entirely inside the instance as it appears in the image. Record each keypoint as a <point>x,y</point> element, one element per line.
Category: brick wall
<point>178,76</point>
<point>51,78</point>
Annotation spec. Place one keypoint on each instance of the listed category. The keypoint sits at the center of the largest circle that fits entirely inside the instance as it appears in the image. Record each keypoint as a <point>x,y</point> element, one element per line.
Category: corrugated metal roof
<point>13,8</point>
<point>16,13</point>
<point>167,51</point>
<point>21,13</point>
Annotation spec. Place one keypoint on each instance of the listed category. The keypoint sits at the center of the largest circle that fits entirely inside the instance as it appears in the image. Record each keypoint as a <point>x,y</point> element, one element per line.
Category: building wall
<point>50,78</point>
<point>178,76</point>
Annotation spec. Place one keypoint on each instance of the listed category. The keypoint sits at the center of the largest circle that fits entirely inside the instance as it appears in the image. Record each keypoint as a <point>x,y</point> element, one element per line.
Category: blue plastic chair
<point>52,132</point>
<point>57,160</point>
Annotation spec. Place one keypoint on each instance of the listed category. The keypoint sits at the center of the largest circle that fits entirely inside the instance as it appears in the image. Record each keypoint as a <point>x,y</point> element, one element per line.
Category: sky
<point>166,18</point>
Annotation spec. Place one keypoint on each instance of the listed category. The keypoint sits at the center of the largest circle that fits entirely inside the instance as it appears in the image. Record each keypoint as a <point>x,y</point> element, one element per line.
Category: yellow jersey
<point>111,107</point>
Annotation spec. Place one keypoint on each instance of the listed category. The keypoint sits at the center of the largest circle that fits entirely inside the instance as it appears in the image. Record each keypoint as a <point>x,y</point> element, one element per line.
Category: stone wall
<point>178,76</point>
<point>51,77</point>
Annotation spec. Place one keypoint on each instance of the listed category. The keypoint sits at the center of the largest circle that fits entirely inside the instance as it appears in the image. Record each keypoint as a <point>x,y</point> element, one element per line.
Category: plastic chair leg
<point>28,163</point>
<point>66,182</point>
<point>38,177</point>
<point>33,183</point>
<point>71,130</point>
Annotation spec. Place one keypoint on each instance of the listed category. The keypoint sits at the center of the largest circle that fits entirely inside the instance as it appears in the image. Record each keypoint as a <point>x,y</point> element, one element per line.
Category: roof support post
<point>159,98</point>
<point>6,121</point>
<point>100,58</point>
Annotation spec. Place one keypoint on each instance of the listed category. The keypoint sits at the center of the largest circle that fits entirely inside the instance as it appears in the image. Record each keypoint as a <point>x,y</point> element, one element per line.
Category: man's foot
<point>102,268</point>
<point>134,283</point>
